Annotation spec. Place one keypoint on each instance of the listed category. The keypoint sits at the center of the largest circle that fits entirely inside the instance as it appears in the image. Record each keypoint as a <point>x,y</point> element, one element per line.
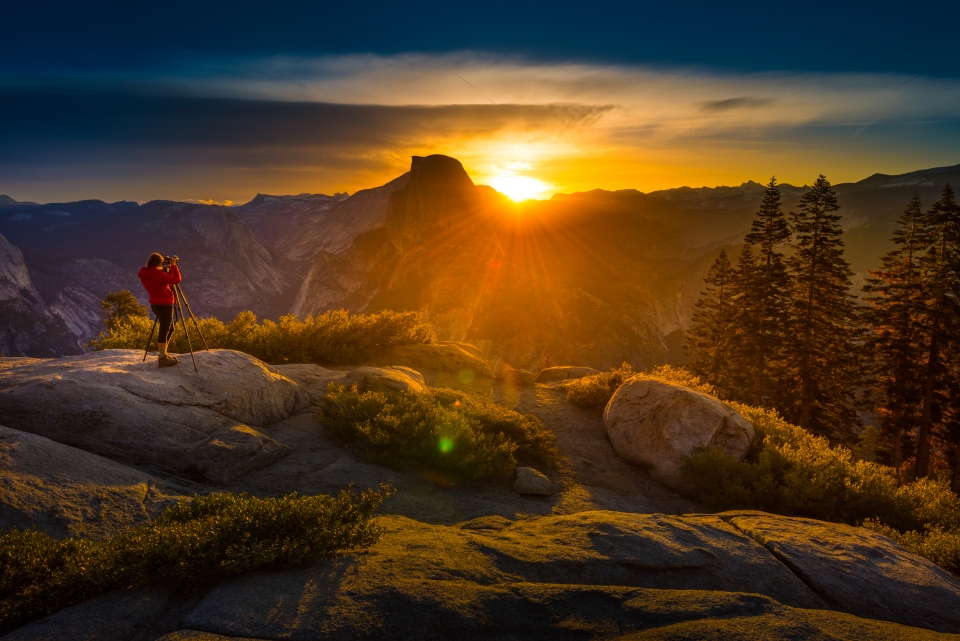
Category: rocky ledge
<point>98,442</point>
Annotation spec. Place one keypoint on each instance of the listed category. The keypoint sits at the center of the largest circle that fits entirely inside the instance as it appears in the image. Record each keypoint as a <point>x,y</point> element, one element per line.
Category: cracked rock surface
<point>173,419</point>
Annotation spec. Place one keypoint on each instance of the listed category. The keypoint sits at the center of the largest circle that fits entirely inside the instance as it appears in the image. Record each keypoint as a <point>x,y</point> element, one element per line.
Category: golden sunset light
<point>519,188</point>
<point>443,320</point>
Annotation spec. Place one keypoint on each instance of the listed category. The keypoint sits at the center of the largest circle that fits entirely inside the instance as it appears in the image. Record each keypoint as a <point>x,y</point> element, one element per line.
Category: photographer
<point>157,276</point>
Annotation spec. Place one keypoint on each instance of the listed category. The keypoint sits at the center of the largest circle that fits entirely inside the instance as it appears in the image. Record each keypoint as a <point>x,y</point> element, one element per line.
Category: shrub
<point>335,337</point>
<point>464,435</point>
<point>936,544</point>
<point>596,390</point>
<point>789,471</point>
<point>195,542</point>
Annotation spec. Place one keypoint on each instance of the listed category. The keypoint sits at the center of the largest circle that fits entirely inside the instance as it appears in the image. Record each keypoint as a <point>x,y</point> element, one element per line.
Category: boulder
<point>171,419</point>
<point>563,373</point>
<point>858,571</point>
<point>68,492</point>
<point>656,425</point>
<point>530,481</point>
<point>392,378</point>
<point>446,357</point>
<point>515,377</point>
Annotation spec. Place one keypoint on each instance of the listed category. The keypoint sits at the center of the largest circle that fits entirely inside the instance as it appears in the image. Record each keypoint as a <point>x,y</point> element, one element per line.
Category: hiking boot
<point>167,361</point>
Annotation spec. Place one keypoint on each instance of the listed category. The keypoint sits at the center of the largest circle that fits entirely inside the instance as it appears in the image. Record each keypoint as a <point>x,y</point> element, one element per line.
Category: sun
<point>518,188</point>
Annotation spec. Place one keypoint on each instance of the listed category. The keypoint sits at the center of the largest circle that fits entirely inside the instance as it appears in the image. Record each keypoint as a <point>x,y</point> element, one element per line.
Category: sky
<point>221,101</point>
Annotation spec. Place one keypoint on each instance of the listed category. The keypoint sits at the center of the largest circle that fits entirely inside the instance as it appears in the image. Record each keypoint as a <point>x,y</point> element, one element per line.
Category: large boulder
<point>445,357</point>
<point>171,420</point>
<point>858,571</point>
<point>564,373</point>
<point>655,424</point>
<point>69,492</point>
<point>392,378</point>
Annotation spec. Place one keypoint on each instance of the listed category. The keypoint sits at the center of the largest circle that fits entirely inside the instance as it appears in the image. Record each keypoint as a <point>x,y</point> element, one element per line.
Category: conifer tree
<point>941,274</point>
<point>822,360</point>
<point>709,338</point>
<point>896,295</point>
<point>763,306</point>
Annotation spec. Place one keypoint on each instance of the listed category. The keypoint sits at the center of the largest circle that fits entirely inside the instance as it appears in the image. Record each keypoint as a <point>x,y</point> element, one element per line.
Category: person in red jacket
<point>157,282</point>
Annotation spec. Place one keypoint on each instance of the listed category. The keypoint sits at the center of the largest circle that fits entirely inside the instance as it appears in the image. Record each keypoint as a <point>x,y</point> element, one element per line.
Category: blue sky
<point>220,101</point>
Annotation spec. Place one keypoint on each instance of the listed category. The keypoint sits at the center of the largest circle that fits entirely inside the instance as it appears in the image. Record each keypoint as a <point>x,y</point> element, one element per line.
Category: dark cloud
<point>731,104</point>
<point>63,142</point>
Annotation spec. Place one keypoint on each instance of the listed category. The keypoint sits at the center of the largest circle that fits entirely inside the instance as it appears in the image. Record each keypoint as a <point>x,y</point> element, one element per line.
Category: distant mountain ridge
<point>631,264</point>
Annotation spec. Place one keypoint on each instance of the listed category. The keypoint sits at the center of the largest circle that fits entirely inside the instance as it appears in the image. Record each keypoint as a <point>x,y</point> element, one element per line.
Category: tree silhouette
<point>822,361</point>
<point>763,306</point>
<point>896,296</point>
<point>941,274</point>
<point>710,337</point>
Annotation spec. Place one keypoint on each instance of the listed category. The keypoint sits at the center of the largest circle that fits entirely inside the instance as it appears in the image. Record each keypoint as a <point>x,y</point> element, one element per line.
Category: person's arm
<point>170,278</point>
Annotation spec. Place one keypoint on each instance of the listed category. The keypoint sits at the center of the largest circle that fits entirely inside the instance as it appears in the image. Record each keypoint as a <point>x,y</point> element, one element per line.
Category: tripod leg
<point>186,333</point>
<point>150,339</point>
<point>192,317</point>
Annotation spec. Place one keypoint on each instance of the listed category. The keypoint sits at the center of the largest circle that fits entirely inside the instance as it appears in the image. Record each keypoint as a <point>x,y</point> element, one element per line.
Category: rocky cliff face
<point>300,227</point>
<point>28,326</point>
<point>79,252</point>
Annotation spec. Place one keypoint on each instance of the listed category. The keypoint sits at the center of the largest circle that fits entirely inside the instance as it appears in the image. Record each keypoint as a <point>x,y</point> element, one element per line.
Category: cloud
<point>729,104</point>
<point>228,128</point>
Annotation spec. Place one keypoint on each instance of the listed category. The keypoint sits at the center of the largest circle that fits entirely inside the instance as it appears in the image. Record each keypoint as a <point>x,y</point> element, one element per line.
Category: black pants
<point>165,316</point>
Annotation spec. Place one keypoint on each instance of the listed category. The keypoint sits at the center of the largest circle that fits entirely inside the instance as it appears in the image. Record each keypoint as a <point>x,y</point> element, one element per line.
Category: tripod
<point>179,301</point>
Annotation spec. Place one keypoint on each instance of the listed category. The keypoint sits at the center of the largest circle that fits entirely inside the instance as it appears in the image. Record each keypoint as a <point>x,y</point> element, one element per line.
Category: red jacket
<point>157,283</point>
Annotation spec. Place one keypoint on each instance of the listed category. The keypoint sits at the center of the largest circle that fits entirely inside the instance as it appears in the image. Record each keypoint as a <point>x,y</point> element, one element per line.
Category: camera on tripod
<point>169,260</point>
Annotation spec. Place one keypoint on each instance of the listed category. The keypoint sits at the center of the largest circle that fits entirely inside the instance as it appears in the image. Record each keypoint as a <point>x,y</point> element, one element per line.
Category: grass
<point>457,433</point>
<point>791,472</point>
<point>195,542</point>
<point>335,337</point>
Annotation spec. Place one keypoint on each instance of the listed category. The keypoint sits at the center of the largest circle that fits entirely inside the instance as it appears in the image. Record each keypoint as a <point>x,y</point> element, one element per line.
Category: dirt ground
<point>596,479</point>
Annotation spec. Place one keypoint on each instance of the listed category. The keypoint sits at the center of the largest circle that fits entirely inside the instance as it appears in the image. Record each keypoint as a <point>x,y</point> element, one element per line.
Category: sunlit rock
<point>656,425</point>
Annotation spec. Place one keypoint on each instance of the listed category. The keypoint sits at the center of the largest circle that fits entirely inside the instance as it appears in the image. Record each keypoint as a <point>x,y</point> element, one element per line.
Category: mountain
<point>27,324</point>
<point>78,252</point>
<point>592,278</point>
<point>300,226</point>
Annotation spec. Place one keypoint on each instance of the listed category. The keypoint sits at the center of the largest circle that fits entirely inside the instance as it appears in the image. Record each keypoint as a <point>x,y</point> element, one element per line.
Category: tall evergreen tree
<point>763,308</point>
<point>822,362</point>
<point>710,337</point>
<point>941,274</point>
<point>896,295</point>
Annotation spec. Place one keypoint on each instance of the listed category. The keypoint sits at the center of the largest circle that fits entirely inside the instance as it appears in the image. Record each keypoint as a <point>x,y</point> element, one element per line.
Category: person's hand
<point>174,259</point>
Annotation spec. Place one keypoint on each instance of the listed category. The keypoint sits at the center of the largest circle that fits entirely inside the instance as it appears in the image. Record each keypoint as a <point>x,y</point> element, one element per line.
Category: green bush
<point>936,544</point>
<point>193,543</point>
<point>596,390</point>
<point>335,337</point>
<point>461,434</point>
<point>789,471</point>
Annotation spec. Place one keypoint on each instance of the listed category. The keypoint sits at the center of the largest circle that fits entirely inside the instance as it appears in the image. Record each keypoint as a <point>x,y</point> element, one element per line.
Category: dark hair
<point>155,260</point>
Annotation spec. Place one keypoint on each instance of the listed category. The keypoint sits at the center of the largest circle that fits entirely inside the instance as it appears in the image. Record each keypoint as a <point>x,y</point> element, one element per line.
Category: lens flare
<point>445,445</point>
<point>518,188</point>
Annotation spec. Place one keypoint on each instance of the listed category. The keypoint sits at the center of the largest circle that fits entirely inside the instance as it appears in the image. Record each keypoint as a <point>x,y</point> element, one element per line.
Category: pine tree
<point>710,336</point>
<point>896,295</point>
<point>763,308</point>
<point>941,274</point>
<point>822,362</point>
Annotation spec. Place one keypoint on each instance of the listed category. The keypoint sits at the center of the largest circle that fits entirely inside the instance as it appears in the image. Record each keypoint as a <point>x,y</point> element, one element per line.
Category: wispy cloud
<point>283,124</point>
